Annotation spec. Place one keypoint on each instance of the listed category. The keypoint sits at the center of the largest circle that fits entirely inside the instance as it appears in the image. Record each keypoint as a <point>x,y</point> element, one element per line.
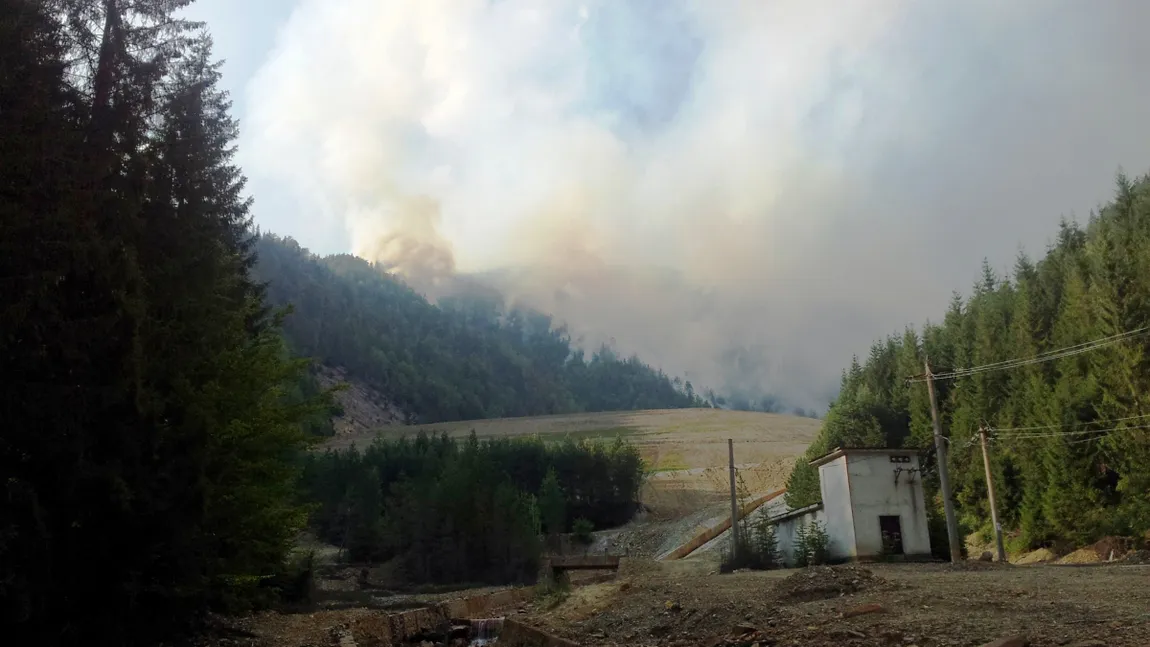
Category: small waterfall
<point>485,631</point>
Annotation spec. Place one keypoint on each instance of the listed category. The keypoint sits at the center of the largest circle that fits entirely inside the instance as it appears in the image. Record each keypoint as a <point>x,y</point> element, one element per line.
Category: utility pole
<point>734,504</point>
<point>990,495</point>
<point>943,476</point>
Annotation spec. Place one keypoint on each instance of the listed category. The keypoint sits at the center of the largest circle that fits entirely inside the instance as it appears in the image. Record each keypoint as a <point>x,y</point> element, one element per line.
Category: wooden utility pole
<point>943,475</point>
<point>734,504</point>
<point>990,495</point>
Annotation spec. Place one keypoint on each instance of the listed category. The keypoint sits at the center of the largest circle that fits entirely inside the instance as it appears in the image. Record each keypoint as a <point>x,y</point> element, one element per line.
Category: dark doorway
<point>891,530</point>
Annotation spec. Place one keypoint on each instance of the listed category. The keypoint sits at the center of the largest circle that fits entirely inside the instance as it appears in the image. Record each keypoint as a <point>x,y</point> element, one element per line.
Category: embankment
<point>709,534</point>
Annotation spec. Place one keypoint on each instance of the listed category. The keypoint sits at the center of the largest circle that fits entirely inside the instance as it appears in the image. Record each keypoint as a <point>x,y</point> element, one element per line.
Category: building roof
<point>798,512</point>
<point>843,451</point>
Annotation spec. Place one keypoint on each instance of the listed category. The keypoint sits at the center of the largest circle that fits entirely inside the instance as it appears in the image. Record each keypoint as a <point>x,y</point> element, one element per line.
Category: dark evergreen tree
<point>148,452</point>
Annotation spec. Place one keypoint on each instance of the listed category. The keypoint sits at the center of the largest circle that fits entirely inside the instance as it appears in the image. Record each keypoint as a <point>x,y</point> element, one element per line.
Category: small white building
<point>873,505</point>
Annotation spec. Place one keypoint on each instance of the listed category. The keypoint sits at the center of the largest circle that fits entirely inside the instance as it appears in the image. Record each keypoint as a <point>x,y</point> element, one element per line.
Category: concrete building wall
<point>787,530</point>
<point>875,491</point>
<point>834,484</point>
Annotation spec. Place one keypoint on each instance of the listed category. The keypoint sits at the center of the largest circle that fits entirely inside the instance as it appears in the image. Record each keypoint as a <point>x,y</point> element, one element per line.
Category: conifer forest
<point>1051,360</point>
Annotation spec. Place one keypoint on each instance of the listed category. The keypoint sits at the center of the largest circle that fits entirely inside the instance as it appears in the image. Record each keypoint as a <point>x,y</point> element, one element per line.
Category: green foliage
<point>758,547</point>
<point>803,482</point>
<point>1083,470</point>
<point>466,511</point>
<point>149,441</point>
<point>294,585</point>
<point>582,529</point>
<point>307,389</point>
<point>465,358</point>
<point>812,545</point>
<point>765,544</point>
<point>552,506</point>
<point>552,590</point>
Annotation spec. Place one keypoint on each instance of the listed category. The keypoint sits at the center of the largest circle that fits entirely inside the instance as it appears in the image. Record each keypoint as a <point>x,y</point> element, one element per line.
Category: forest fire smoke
<point>733,190</point>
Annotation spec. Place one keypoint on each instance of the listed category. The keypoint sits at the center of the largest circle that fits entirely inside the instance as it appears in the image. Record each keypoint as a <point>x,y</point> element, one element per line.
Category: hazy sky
<point>780,181</point>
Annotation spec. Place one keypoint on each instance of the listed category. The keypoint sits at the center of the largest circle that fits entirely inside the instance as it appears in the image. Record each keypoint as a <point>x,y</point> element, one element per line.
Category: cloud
<point>743,192</point>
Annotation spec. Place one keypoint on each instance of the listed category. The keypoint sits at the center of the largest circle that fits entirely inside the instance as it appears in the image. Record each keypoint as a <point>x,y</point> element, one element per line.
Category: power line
<point>1063,426</point>
<point>1058,351</point>
<point>1046,356</point>
<point>1071,432</point>
<point>1025,362</point>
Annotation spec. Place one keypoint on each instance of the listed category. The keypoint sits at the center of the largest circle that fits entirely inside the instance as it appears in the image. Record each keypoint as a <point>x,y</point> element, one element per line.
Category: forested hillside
<point>459,360</point>
<point>1070,444</point>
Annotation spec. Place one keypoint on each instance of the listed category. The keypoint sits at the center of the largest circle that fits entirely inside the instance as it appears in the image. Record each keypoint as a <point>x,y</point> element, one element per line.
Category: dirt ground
<point>687,603</point>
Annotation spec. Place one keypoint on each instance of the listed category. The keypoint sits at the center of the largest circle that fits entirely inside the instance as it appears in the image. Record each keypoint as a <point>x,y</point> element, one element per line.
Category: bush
<point>766,544</point>
<point>812,545</point>
<point>295,585</point>
<point>582,529</point>
<point>552,590</point>
<point>758,548</point>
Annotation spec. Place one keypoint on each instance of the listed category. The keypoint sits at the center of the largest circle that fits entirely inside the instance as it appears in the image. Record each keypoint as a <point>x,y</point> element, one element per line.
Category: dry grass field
<point>685,450</point>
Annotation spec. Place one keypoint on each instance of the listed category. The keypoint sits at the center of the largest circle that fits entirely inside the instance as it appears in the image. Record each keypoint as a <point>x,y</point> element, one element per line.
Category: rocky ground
<point>888,605</point>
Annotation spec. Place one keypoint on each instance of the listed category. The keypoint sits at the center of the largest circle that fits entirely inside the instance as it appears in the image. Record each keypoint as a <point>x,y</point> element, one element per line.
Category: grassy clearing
<point>654,425</point>
<point>670,442</point>
<point>668,462</point>
<point>607,433</point>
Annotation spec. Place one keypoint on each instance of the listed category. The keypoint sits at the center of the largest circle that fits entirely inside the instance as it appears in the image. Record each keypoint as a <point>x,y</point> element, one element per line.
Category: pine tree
<point>150,447</point>
<point>552,507</point>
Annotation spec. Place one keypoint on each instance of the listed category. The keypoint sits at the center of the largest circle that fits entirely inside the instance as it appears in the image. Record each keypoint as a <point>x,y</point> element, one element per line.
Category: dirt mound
<point>1036,557</point>
<point>1080,556</point>
<point>1118,546</point>
<point>823,582</point>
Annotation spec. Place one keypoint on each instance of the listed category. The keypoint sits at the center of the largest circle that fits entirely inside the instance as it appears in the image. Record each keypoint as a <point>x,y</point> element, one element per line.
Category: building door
<point>891,530</point>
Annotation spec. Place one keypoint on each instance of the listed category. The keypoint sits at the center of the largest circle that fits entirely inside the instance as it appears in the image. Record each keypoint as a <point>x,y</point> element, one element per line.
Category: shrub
<point>816,545</point>
<point>812,545</point>
<point>758,548</point>
<point>582,529</point>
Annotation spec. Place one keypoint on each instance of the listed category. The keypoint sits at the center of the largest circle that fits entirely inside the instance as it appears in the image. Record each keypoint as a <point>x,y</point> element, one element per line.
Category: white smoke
<point>787,179</point>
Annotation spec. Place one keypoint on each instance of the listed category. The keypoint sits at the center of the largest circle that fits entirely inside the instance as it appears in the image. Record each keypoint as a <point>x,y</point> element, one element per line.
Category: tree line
<point>147,439</point>
<point>463,359</point>
<point>467,510</point>
<point>1070,449</point>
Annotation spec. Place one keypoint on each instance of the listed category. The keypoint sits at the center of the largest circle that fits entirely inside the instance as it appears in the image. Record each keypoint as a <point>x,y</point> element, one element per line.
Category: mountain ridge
<point>465,357</point>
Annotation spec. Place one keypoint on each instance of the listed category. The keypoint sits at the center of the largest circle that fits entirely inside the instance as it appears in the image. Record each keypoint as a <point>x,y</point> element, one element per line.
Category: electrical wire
<point>1046,356</point>
<point>1062,426</point>
<point>1072,432</point>
<point>1069,351</point>
<point>1042,355</point>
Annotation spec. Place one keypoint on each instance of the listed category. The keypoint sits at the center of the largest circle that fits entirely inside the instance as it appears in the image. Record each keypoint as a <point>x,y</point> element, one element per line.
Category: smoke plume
<point>745,193</point>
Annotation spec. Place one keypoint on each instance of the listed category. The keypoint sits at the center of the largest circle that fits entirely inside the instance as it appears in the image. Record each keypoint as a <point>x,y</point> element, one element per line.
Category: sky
<point>742,192</point>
